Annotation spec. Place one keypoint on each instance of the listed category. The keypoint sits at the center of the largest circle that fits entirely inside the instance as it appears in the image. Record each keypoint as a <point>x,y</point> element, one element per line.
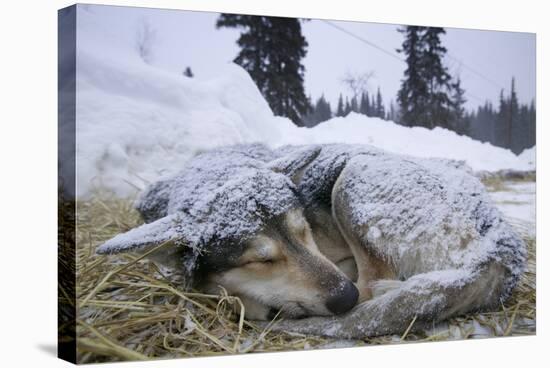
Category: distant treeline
<point>370,106</point>
<point>511,125</point>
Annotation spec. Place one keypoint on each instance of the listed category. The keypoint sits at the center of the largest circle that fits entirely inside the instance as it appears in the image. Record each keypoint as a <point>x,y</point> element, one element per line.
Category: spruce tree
<point>327,111</point>
<point>413,93</point>
<point>437,77</point>
<point>347,107</point>
<point>459,120</point>
<point>272,49</point>
<point>340,108</point>
<point>424,94</point>
<point>500,131</point>
<point>380,111</point>
<point>308,120</point>
<point>520,133</point>
<point>318,113</point>
<point>322,110</point>
<point>511,126</point>
<point>531,130</point>
<point>512,122</point>
<point>364,104</point>
<point>354,107</point>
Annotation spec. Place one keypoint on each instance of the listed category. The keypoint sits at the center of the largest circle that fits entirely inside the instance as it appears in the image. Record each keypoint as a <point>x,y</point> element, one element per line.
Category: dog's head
<point>245,233</point>
<point>280,268</point>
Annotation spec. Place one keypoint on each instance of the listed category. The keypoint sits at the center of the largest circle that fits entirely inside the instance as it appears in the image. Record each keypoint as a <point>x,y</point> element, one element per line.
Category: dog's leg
<point>369,267</point>
<point>426,298</point>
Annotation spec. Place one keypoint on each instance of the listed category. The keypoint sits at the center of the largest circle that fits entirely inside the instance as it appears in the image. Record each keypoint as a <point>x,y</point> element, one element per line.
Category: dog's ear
<point>165,233</point>
<point>294,163</point>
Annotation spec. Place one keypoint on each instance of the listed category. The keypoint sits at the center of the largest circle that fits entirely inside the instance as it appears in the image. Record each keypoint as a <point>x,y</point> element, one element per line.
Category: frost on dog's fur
<point>436,207</point>
<point>222,195</point>
<point>434,203</point>
<point>429,218</point>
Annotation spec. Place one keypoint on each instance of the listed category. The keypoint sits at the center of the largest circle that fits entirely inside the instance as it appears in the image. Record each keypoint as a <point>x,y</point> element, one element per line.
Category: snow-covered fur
<point>220,197</point>
<point>426,222</point>
<point>426,239</point>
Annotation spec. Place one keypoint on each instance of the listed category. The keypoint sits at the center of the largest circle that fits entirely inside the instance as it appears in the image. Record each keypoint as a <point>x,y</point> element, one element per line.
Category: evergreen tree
<point>308,120</point>
<point>327,112</point>
<point>413,94</point>
<point>354,107</point>
<point>483,123</point>
<point>512,126</point>
<point>347,107</point>
<point>364,105</point>
<point>459,120</point>
<point>500,133</point>
<point>320,112</point>
<point>423,97</point>
<point>380,111</point>
<point>323,110</point>
<point>490,125</point>
<point>437,77</point>
<point>520,132</point>
<point>531,128</point>
<point>272,49</point>
<point>512,123</point>
<point>340,108</point>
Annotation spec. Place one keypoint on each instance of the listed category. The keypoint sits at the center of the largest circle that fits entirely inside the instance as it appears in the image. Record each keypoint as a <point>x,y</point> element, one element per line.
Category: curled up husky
<point>358,240</point>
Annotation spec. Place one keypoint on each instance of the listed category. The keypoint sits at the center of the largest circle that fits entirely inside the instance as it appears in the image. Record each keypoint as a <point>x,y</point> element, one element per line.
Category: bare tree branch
<point>357,82</point>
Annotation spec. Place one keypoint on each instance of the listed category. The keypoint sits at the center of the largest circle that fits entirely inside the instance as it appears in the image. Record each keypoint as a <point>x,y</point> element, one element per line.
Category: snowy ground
<point>517,200</point>
<point>137,122</point>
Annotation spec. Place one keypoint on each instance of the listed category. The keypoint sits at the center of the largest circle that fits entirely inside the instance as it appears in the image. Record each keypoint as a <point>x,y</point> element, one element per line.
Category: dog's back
<point>427,223</point>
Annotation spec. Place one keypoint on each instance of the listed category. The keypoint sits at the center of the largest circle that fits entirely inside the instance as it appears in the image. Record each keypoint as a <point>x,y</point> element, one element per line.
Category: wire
<point>389,53</point>
<point>475,71</point>
<point>475,97</point>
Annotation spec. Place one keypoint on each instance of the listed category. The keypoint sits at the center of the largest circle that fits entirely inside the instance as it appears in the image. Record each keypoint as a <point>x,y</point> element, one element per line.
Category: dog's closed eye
<point>260,261</point>
<point>261,251</point>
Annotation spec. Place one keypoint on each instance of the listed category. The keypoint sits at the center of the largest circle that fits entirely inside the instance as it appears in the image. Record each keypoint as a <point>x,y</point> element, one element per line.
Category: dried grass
<point>130,309</point>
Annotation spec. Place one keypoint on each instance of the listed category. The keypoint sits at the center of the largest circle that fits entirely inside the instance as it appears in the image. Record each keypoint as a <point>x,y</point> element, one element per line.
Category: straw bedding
<point>130,309</point>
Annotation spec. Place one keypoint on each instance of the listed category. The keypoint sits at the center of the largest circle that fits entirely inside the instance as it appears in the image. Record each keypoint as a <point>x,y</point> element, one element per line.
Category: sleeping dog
<point>360,240</point>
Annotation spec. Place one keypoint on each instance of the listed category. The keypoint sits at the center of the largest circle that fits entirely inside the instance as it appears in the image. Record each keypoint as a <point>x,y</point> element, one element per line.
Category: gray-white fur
<point>447,248</point>
<point>220,197</point>
<point>430,220</point>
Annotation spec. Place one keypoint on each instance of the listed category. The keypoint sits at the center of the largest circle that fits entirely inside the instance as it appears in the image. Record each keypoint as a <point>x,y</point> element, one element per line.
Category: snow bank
<point>137,122</point>
<point>421,142</point>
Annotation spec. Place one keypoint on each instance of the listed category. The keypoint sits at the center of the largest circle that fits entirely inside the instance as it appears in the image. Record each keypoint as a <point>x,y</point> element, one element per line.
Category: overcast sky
<point>191,39</point>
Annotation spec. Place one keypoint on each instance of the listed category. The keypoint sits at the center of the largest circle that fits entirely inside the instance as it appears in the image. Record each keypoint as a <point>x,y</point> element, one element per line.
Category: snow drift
<point>136,122</point>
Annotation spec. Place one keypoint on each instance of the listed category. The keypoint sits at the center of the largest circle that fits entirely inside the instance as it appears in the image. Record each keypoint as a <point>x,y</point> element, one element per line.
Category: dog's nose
<point>343,299</point>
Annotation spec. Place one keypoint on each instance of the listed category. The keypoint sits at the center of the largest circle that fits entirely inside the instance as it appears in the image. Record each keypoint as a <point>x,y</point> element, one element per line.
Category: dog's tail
<point>420,301</point>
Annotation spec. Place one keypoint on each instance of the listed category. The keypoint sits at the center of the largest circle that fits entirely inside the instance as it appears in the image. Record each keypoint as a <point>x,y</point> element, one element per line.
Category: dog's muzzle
<point>343,299</point>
